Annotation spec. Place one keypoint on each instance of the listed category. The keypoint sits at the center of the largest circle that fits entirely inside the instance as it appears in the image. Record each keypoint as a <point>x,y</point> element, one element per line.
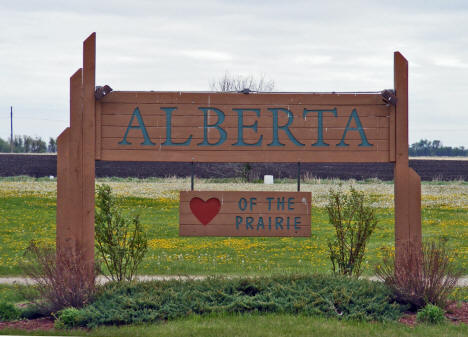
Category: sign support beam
<point>408,235</point>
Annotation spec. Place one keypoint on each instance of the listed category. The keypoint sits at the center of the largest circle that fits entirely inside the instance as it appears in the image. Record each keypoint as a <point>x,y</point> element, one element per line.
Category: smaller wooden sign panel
<point>234,213</point>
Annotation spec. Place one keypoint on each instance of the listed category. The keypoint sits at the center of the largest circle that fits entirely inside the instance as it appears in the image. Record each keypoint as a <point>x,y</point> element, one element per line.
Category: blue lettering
<point>280,204</point>
<point>278,222</point>
<point>320,141</point>
<point>141,126</point>
<point>238,221</point>
<point>242,204</point>
<point>222,132</point>
<point>291,203</point>
<point>248,222</point>
<point>241,126</point>
<point>297,222</point>
<point>169,141</point>
<point>285,127</point>
<point>359,128</point>
<point>260,223</point>
<point>252,203</point>
<point>270,199</point>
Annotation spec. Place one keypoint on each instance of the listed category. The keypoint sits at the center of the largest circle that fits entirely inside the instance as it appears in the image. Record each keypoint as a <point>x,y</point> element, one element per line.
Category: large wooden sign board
<point>231,127</point>
<point>228,127</point>
<point>214,213</point>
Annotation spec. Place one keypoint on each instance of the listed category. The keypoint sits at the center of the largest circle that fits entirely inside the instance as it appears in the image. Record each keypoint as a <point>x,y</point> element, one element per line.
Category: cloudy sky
<point>185,45</point>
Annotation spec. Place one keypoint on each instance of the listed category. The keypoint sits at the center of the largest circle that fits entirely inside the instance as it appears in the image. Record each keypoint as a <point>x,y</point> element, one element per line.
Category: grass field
<point>27,211</point>
<point>264,325</point>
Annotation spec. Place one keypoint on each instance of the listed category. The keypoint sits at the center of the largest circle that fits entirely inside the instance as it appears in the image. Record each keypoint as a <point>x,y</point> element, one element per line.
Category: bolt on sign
<point>232,213</point>
<point>231,127</point>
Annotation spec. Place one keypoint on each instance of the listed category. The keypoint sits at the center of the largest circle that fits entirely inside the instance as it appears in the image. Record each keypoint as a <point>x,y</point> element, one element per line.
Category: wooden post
<point>407,181</point>
<point>75,167</point>
<point>64,234</point>
<point>88,141</point>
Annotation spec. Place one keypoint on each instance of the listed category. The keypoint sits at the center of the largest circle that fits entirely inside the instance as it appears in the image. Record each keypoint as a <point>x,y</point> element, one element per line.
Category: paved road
<point>462,282</point>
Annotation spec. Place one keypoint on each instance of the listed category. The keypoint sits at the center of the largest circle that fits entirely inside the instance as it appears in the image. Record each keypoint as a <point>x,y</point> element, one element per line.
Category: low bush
<point>68,318</point>
<point>354,223</point>
<point>431,314</point>
<point>329,296</point>
<point>60,279</point>
<point>9,312</point>
<point>121,241</point>
<point>432,283</point>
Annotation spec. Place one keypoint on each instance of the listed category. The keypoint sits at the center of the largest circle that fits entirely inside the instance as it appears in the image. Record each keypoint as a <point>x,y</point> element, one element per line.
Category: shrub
<point>430,284</point>
<point>8,312</point>
<point>68,318</point>
<point>60,279</point>
<point>324,295</point>
<point>431,314</point>
<point>354,223</point>
<point>120,240</point>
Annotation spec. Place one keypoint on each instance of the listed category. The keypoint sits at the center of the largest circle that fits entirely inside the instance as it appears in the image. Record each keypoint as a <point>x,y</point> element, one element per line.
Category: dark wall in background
<point>46,165</point>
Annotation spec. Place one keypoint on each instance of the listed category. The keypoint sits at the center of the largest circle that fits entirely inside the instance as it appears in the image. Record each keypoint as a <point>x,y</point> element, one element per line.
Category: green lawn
<point>29,214</point>
<point>264,325</point>
<point>27,211</point>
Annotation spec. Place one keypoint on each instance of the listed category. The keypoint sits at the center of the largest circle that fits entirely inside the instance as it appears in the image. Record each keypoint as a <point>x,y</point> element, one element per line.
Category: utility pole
<point>11,129</point>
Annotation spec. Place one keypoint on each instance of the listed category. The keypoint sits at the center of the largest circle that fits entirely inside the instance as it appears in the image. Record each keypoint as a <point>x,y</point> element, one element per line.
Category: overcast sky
<point>184,45</point>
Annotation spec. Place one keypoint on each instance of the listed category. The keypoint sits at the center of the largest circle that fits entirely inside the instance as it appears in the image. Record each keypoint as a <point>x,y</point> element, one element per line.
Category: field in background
<point>27,211</point>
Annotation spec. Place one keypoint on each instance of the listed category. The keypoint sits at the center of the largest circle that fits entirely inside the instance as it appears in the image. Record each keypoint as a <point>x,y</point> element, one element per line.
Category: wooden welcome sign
<point>214,213</point>
<point>230,127</point>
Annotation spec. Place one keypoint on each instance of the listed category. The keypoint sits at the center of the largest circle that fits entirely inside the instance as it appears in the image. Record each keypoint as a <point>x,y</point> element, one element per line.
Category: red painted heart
<point>205,211</point>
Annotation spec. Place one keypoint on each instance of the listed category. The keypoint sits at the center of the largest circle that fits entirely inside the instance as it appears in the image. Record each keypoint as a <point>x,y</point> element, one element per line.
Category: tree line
<point>28,144</point>
<point>435,148</point>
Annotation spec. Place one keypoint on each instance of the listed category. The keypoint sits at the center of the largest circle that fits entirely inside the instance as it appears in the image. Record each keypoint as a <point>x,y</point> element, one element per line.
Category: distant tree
<point>18,146</point>
<point>25,144</point>
<point>230,82</point>
<point>435,148</point>
<point>38,145</point>
<point>4,146</point>
<point>52,147</point>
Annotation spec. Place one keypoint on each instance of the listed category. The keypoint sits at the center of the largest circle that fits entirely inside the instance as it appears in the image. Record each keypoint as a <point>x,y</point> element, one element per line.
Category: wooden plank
<point>264,137</point>
<point>64,235</point>
<point>391,135</point>
<point>212,98</point>
<point>302,134</point>
<point>135,144</point>
<point>415,230</point>
<point>276,203</point>
<point>146,110</point>
<point>200,230</point>
<point>98,130</point>
<point>234,196</point>
<point>89,152</point>
<point>228,218</point>
<point>234,213</point>
<point>75,185</point>
<point>122,122</point>
<point>401,173</point>
<point>401,114</point>
<point>247,156</point>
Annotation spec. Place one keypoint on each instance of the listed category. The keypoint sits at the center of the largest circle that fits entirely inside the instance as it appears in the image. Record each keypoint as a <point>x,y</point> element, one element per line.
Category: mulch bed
<point>456,313</point>
<point>29,324</point>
